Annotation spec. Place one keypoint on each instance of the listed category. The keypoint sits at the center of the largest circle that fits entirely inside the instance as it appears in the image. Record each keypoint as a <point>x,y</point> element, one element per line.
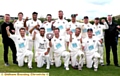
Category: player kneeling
<point>76,50</point>
<point>90,45</point>
<point>58,42</point>
<point>42,48</point>
<point>21,42</point>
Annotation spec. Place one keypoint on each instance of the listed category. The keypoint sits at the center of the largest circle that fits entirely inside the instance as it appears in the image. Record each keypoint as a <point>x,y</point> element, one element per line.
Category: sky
<point>91,8</point>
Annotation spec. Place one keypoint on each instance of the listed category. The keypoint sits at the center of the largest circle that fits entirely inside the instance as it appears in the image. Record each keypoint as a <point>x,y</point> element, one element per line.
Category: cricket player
<point>98,32</point>
<point>48,29</point>
<point>60,49</point>
<point>85,26</point>
<point>42,48</point>
<point>61,23</point>
<point>29,25</point>
<point>73,24</point>
<point>22,42</point>
<point>75,47</point>
<point>19,23</point>
<point>90,46</point>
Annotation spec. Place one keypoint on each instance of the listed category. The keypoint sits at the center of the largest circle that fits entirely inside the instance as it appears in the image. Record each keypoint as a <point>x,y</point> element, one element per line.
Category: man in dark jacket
<point>7,41</point>
<point>110,40</point>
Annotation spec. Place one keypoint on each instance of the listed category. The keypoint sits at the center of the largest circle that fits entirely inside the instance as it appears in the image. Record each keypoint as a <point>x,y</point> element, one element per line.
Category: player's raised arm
<point>31,30</point>
<point>25,25</point>
<point>105,24</point>
<point>7,29</point>
<point>34,35</point>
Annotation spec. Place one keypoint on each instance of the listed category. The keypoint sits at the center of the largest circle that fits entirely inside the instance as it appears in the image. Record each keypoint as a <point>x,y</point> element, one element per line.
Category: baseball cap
<point>89,29</point>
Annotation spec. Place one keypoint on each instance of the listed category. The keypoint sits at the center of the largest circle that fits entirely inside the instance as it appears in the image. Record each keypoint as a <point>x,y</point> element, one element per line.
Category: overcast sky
<point>91,8</point>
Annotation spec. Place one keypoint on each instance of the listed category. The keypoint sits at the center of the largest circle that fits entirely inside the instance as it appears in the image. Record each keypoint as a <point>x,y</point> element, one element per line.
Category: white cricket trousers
<point>92,57</point>
<point>40,59</point>
<point>21,56</point>
<point>51,54</point>
<point>100,51</point>
<point>77,56</point>
<point>66,57</point>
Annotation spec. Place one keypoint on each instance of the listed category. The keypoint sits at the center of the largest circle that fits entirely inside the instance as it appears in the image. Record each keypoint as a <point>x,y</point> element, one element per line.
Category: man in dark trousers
<point>7,41</point>
<point>110,40</point>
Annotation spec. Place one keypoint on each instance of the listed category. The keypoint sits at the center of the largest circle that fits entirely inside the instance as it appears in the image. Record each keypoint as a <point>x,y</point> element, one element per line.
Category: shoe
<point>107,64</point>
<point>29,67</point>
<point>66,68</point>
<point>15,62</point>
<point>95,69</point>
<point>47,68</point>
<point>75,67</point>
<point>117,65</point>
<point>7,64</point>
<point>79,67</point>
<point>102,64</point>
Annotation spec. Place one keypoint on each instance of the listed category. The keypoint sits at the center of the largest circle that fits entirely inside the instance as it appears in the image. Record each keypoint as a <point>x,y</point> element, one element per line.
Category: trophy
<point>49,36</point>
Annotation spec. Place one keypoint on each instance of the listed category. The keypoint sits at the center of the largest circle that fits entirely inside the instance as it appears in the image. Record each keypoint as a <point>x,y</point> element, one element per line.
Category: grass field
<point>102,71</point>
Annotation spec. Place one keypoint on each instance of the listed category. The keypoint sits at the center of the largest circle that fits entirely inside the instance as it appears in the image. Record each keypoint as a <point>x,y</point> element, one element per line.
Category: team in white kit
<point>78,43</point>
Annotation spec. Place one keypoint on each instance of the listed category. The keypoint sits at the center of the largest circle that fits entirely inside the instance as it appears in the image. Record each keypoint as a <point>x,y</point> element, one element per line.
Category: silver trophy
<point>49,36</point>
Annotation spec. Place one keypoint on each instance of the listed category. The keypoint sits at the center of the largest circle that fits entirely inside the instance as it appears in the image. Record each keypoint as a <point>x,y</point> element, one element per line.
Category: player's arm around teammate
<point>21,42</point>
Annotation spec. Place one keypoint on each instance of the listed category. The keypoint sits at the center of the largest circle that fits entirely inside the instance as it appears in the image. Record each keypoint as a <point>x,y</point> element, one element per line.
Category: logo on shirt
<point>18,38</point>
<point>24,39</point>
<point>31,22</point>
<point>58,22</point>
<point>78,39</point>
<point>54,39</point>
<point>63,22</point>
<point>60,39</point>
<point>41,46</point>
<point>44,40</point>
<point>87,41</point>
<point>93,40</point>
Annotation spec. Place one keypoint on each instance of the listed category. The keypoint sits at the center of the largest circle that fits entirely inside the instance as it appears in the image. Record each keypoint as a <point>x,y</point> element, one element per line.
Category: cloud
<point>98,2</point>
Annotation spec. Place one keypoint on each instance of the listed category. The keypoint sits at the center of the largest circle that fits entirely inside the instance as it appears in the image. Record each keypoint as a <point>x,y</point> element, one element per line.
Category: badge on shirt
<point>74,45</point>
<point>49,30</point>
<point>91,47</point>
<point>63,22</point>
<point>97,32</point>
<point>73,30</point>
<point>84,30</point>
<point>21,45</point>
<point>58,46</point>
<point>60,27</point>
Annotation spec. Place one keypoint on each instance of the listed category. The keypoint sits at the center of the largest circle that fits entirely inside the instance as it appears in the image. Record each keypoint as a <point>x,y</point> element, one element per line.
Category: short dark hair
<point>34,13</point>
<point>22,28</point>
<point>89,29</point>
<point>7,14</point>
<point>86,17</point>
<point>60,11</point>
<point>73,15</point>
<point>42,28</point>
<point>97,18</point>
<point>20,13</point>
<point>57,29</point>
<point>49,15</point>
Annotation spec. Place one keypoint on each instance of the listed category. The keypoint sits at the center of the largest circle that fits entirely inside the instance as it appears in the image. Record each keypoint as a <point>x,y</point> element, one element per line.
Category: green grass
<point>102,71</point>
